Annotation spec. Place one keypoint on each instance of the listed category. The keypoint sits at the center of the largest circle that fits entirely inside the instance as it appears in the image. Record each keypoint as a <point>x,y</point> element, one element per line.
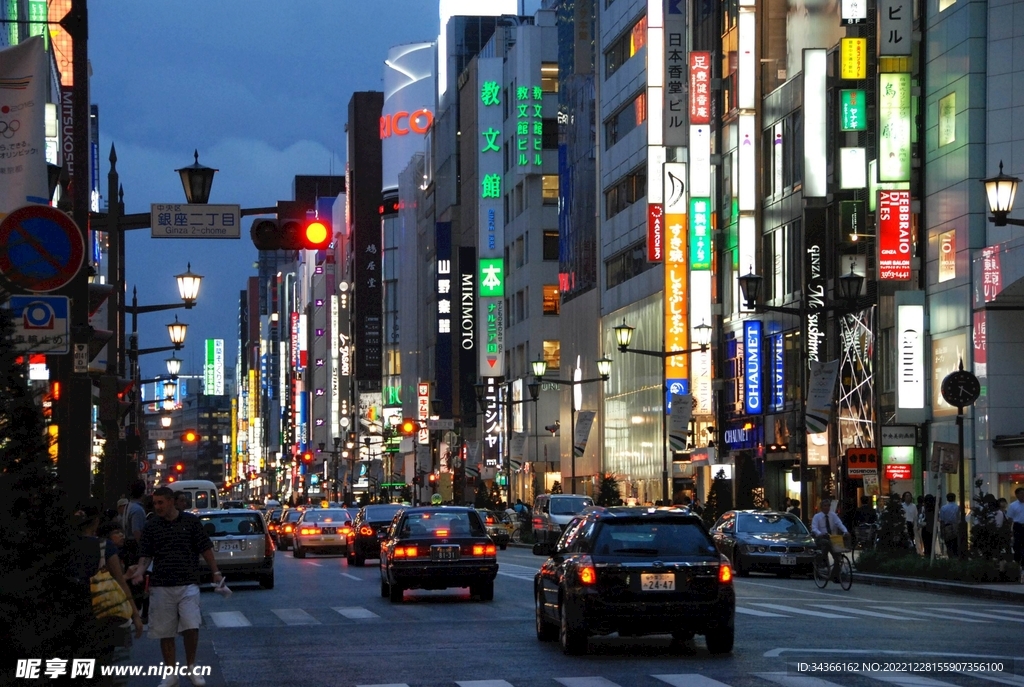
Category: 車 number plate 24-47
<point>658,582</point>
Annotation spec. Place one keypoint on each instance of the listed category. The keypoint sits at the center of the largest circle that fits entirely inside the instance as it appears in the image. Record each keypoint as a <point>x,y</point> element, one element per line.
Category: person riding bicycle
<point>823,525</point>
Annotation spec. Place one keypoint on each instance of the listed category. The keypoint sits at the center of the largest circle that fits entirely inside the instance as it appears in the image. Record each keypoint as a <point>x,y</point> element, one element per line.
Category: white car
<point>242,545</point>
<point>322,530</point>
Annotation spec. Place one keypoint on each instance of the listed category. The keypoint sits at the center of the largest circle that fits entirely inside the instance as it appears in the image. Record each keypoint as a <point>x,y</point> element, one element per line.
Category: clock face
<point>960,388</point>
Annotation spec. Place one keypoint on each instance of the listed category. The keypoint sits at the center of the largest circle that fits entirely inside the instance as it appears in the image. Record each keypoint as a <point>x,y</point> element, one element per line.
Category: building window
<point>550,244</point>
<point>947,119</point>
<point>624,192</point>
<point>553,354</point>
<point>627,264</point>
<point>549,77</point>
<point>549,134</point>
<point>627,45</point>
<point>549,189</point>
<point>552,300</point>
<point>628,117</point>
<point>520,306</point>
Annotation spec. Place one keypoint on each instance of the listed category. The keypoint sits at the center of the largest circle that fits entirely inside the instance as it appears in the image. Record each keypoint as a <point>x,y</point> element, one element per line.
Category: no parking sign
<point>41,324</point>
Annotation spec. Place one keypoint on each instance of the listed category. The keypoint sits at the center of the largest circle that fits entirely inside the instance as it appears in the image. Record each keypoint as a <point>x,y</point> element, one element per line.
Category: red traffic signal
<point>432,478</point>
<point>307,457</point>
<point>190,436</point>
<point>408,427</point>
<point>179,467</point>
<point>291,234</point>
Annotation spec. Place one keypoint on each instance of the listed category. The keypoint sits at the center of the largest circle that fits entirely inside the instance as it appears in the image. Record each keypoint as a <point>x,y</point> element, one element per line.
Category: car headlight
<point>762,549</point>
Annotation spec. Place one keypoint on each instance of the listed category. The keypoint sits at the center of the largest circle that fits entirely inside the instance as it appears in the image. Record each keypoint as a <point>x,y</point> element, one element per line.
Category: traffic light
<point>307,457</point>
<point>189,436</point>
<point>115,398</point>
<point>292,230</point>
<point>408,427</point>
<point>179,467</point>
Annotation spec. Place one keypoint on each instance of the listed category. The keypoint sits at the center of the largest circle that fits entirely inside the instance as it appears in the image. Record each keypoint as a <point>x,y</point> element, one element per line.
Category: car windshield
<point>292,516</point>
<point>381,513</point>
<point>274,514</point>
<point>770,523</point>
<point>494,518</point>
<point>337,516</point>
<point>652,538</point>
<point>442,524</point>
<point>222,525</point>
<point>569,506</point>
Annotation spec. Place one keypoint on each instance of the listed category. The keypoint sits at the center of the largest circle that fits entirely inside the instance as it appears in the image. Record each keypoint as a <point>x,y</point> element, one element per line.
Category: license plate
<point>328,530</point>
<point>787,560</point>
<point>658,582</point>
<point>230,546</point>
<point>444,553</point>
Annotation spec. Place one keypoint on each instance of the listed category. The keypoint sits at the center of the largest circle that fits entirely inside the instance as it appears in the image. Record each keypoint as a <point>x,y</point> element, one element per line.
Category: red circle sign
<point>41,248</point>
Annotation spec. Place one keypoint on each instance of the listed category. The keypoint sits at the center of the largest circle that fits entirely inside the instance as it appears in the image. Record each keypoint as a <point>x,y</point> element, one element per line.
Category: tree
<point>556,488</point>
<point>608,491</point>
<point>719,499</point>
<point>892,528</point>
<point>43,612</point>
<point>482,498</point>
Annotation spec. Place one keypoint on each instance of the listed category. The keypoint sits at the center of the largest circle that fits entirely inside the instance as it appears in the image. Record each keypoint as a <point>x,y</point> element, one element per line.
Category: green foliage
<point>719,499</point>
<point>892,528</point>
<point>951,569</point>
<point>556,488</point>
<point>987,540</point>
<point>405,495</point>
<point>42,612</point>
<point>608,491</point>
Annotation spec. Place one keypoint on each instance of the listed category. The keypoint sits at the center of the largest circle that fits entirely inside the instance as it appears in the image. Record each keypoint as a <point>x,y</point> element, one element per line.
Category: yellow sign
<point>676,301</point>
<point>853,56</point>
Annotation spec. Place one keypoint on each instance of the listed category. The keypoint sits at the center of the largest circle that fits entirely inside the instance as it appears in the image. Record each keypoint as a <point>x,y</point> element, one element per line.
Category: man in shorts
<point>174,541</point>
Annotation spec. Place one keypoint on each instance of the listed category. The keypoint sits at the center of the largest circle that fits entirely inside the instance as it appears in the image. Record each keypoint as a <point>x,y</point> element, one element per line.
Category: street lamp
<point>165,421</point>
<point>1001,191</point>
<point>197,180</point>
<point>188,286</point>
<point>604,369</point>
<point>173,365</point>
<point>623,337</point>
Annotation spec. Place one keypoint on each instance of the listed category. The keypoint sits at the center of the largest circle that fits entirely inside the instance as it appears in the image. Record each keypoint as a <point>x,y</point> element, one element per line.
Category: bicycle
<point>823,569</point>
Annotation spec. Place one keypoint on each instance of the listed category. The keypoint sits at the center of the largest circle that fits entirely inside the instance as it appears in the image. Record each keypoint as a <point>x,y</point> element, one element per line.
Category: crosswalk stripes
<point>975,614</point>
<point>690,680</point>
<point>858,611</point>
<point>1006,611</point>
<point>908,679</point>
<point>483,683</point>
<point>782,679</point>
<point>794,680</point>
<point>585,682</point>
<point>1001,678</point>
<point>294,616</point>
<point>760,614</point>
<point>932,615</point>
<point>230,619</point>
<point>802,611</point>
<point>356,613</point>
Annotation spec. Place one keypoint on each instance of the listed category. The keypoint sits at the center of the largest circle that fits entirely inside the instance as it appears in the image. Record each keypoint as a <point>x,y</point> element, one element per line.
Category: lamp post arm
<point>565,381</point>
<point>664,354</point>
<point>140,309</point>
<point>1003,221</point>
<point>100,221</point>
<point>158,349</point>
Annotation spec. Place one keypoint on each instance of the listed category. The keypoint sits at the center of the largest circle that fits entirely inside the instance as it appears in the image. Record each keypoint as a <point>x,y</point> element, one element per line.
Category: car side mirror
<point>543,549</point>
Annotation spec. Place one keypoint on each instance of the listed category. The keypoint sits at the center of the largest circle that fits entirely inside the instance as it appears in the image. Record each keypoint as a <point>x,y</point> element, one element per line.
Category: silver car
<point>242,545</point>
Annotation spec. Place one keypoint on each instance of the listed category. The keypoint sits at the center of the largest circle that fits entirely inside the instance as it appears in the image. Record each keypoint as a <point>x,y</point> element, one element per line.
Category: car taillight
<point>272,527</point>
<point>346,530</point>
<point>441,533</point>
<point>586,571</point>
<point>406,552</point>
<point>366,530</point>
<point>725,573</point>
<point>289,529</point>
<point>484,550</point>
<point>309,530</point>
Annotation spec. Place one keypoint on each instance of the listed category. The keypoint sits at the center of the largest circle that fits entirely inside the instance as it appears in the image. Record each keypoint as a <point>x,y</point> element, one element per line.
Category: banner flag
<point>584,420</point>
<point>23,96</point>
<point>819,395</point>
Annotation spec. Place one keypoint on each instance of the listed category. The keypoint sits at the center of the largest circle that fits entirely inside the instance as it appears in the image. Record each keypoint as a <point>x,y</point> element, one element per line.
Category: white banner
<point>517,445</point>
<point>584,420</point>
<point>23,97</point>
<point>819,395</point>
<point>679,421</point>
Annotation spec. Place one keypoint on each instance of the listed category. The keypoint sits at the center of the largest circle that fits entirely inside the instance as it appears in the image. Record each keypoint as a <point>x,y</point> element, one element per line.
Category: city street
<point>326,624</point>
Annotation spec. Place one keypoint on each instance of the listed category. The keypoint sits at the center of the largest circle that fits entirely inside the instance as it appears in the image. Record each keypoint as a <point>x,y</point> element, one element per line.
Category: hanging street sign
<point>41,249</point>
<point>194,221</point>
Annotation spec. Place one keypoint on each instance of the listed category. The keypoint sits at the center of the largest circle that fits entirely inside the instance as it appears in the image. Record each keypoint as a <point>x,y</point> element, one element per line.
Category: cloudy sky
<point>261,89</point>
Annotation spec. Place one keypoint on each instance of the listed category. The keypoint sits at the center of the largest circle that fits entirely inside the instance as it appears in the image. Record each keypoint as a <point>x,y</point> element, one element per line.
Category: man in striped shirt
<point>174,541</point>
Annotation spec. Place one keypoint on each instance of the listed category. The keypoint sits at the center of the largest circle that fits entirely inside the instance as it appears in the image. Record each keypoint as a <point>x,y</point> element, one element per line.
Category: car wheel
<point>395,593</point>
<point>572,639</point>
<point>358,561</point>
<point>720,641</point>
<point>737,567</point>
<point>267,581</point>
<point>385,589</point>
<point>483,590</point>
<point>503,546</point>
<point>546,632</point>
<point>298,552</point>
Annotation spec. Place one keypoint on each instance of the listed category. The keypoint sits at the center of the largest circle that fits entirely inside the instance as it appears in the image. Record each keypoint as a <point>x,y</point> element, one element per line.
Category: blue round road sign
<point>41,248</point>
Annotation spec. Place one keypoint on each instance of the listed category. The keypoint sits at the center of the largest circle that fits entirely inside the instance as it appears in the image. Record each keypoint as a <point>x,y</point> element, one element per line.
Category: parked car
<point>764,541</point>
<point>286,527</point>
<point>553,512</point>
<point>438,547</point>
<point>369,530</point>
<point>499,527</point>
<point>242,546</point>
<point>322,530</point>
<point>635,571</point>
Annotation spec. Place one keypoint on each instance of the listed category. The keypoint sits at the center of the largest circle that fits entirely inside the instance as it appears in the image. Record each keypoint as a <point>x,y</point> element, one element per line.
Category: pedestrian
<point>174,541</point>
<point>181,500</point>
<point>794,507</point>
<point>696,507</point>
<point>910,516</point>
<point>928,528</point>
<point>133,521</point>
<point>949,520</point>
<point>1015,513</point>
<point>823,526</point>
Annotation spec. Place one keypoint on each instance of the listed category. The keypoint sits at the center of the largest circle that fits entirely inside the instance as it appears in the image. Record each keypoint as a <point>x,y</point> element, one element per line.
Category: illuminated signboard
<point>213,378</point>
<point>910,373</point>
<point>894,127</point>
<point>676,263</point>
<point>895,235</point>
<point>529,125</point>
<point>853,110</point>
<point>853,168</point>
<point>746,97</point>
<point>491,239</point>
<point>700,87</point>
<point>853,58</point>
<point>700,233</point>
<point>991,274</point>
<point>492,281</point>
<point>752,366</point>
<point>655,232</point>
<point>947,255</point>
<point>947,120</point>
<point>401,123</point>
<point>896,25</point>
<point>815,63</point>
<point>493,422</point>
<point>423,410</point>
<point>854,11</point>
<point>814,283</point>
<point>778,368</point>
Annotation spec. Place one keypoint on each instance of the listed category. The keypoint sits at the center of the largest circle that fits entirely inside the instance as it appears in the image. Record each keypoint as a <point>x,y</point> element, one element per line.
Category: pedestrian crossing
<point>800,610</point>
<point>788,678</point>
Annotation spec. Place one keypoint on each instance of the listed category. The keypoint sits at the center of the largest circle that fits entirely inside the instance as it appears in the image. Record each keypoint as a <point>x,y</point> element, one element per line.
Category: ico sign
<point>401,123</point>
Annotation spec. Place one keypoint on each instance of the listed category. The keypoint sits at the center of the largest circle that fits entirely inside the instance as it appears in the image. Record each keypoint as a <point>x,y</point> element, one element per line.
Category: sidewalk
<point>1007,591</point>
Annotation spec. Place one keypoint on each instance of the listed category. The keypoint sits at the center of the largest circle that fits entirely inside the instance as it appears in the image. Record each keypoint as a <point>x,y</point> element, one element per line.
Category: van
<point>553,512</point>
<point>200,494</point>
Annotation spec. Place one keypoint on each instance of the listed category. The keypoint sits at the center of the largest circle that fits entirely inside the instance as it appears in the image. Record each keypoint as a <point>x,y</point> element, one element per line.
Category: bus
<point>199,493</point>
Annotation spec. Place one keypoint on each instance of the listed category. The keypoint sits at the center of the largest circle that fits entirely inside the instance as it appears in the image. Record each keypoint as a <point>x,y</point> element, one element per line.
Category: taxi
<point>322,530</point>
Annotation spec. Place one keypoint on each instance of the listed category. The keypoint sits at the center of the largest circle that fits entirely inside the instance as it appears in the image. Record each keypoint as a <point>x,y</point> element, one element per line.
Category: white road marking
<point>585,682</point>
<point>908,679</point>
<point>294,616</point>
<point>689,680</point>
<point>1006,610</point>
<point>352,577</point>
<point>356,613</point>
<point>800,611</point>
<point>230,619</point>
<point>791,680</point>
<point>483,683</point>
<point>761,614</point>
<point>314,563</point>
<point>1003,678</point>
<point>518,577</point>
<point>934,616</point>
<point>974,614</point>
<point>857,611</point>
<point>389,684</point>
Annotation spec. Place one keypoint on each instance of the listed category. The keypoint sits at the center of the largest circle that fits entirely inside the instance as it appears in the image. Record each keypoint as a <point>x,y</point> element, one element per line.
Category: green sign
<point>700,233</point>
<point>529,125</point>
<point>489,92</point>
<point>492,277</point>
<point>853,110</point>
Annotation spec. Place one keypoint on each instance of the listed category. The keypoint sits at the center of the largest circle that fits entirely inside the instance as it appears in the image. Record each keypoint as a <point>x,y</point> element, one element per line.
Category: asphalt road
<point>326,624</point>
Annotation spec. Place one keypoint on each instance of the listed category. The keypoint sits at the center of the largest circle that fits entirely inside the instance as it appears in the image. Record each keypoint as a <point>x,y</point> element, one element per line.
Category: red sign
<point>655,232</point>
<point>898,471</point>
<point>991,273</point>
<point>980,343</point>
<point>861,461</point>
<point>41,249</point>
<point>895,235</point>
<point>401,123</point>
<point>700,88</point>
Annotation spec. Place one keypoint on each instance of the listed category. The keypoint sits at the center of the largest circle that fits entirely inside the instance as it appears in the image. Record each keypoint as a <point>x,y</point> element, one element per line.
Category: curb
<point>940,586</point>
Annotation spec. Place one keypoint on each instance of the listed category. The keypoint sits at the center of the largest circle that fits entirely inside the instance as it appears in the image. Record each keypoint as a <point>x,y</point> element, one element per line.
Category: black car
<point>437,547</point>
<point>635,571</point>
<point>286,528</point>
<point>764,541</point>
<point>369,530</point>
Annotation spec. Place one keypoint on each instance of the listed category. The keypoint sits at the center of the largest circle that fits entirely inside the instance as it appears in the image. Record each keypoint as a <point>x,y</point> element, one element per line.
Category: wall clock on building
<point>960,388</point>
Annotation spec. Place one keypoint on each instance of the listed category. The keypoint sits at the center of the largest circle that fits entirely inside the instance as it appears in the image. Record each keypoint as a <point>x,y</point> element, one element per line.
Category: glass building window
<point>550,244</point>
<point>629,116</point>
<point>627,45</point>
<point>552,300</point>
<point>549,189</point>
<point>627,264</point>
<point>624,192</point>
<point>549,77</point>
<point>553,353</point>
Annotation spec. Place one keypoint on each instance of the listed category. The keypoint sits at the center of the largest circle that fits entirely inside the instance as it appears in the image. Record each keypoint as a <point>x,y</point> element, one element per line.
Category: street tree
<point>608,491</point>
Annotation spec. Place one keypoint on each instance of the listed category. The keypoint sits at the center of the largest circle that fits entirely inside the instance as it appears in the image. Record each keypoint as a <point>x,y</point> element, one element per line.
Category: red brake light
<point>289,528</point>
<point>478,549</point>
<point>346,530</point>
<point>310,530</point>
<point>406,552</point>
<point>441,533</point>
<point>724,573</point>
<point>586,571</point>
<point>366,530</point>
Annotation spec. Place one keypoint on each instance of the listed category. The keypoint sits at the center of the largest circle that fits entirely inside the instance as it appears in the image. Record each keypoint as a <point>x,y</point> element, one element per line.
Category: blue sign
<point>778,374</point>
<point>41,324</point>
<point>752,366</point>
<point>675,386</point>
